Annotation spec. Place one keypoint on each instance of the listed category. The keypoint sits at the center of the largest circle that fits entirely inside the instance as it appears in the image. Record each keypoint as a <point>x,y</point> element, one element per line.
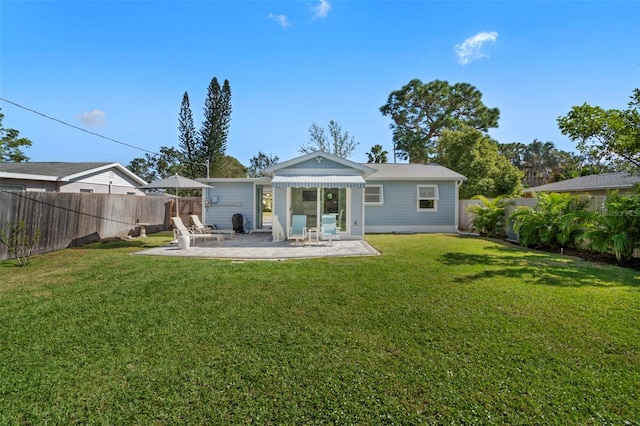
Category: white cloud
<point>282,20</point>
<point>321,10</point>
<point>95,118</point>
<point>470,49</point>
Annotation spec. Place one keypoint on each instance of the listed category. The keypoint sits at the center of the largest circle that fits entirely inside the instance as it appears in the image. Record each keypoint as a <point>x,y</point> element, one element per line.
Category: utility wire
<point>79,128</point>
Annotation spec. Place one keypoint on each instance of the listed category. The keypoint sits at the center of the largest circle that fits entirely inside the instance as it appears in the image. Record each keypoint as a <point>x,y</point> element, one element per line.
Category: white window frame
<point>380,194</point>
<point>435,198</point>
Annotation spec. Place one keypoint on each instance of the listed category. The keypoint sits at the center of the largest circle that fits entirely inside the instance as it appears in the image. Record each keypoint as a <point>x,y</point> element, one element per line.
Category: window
<point>373,195</point>
<point>12,188</point>
<point>427,198</point>
<point>86,191</point>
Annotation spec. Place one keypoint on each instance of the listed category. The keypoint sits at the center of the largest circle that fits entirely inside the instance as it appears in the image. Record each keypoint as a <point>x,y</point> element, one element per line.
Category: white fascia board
<point>25,176</point>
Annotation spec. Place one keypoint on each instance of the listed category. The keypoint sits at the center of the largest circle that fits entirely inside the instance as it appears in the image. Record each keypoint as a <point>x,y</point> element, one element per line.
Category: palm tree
<point>377,154</point>
<point>539,162</point>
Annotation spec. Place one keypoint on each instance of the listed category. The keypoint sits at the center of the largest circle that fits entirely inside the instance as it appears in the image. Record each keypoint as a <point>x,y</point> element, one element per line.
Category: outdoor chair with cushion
<point>329,230</point>
<point>298,228</point>
<point>199,227</point>
<point>185,232</point>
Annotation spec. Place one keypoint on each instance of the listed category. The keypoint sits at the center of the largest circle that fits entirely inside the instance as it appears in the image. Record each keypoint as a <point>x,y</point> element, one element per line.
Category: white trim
<point>271,170</point>
<point>410,229</point>
<point>27,176</point>
<point>435,198</point>
<point>380,201</point>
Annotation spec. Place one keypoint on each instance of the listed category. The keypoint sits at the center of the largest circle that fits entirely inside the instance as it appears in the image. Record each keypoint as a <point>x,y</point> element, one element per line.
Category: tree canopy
<point>11,144</point>
<point>421,112</point>
<point>188,140</point>
<point>337,143</point>
<point>259,163</point>
<point>609,135</point>
<point>377,154</point>
<point>474,154</point>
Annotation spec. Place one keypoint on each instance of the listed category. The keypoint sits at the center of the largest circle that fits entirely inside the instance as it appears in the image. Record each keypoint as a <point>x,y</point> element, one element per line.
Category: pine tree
<point>189,140</point>
<point>215,127</point>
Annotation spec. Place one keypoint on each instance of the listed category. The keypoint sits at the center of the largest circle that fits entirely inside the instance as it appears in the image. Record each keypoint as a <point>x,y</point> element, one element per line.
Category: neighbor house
<point>100,178</point>
<point>592,184</point>
<point>365,198</point>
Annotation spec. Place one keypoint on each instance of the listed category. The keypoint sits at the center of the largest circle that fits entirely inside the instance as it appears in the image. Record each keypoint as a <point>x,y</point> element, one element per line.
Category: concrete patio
<point>260,246</point>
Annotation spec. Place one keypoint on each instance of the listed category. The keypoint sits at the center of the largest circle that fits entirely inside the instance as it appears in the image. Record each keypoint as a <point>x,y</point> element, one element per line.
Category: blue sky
<point>120,68</point>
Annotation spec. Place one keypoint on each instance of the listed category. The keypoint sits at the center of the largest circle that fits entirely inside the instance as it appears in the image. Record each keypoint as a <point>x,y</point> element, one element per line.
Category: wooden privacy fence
<point>73,219</point>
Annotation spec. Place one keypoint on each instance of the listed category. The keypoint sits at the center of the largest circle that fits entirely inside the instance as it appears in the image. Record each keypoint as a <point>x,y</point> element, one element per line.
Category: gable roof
<point>318,154</point>
<point>59,171</point>
<point>602,182</point>
<point>412,171</point>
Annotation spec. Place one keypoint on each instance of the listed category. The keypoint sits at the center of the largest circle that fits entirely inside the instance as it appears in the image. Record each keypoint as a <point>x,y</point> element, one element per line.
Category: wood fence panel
<point>73,219</point>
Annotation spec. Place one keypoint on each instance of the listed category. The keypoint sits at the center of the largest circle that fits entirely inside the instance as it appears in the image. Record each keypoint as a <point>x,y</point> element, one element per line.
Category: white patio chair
<point>204,229</point>
<point>185,232</point>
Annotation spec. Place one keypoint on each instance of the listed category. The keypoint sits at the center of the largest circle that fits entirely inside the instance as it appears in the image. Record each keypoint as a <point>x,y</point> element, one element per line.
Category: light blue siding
<point>400,207</point>
<point>323,165</point>
<point>232,198</point>
<point>280,205</point>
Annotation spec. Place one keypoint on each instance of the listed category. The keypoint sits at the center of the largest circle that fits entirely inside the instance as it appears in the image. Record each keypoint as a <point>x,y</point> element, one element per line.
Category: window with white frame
<point>373,195</point>
<point>427,198</point>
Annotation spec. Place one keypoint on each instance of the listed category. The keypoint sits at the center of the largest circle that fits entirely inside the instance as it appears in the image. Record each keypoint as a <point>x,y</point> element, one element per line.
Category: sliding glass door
<point>314,202</point>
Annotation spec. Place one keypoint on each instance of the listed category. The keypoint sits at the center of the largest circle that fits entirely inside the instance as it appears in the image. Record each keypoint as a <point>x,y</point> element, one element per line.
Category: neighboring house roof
<point>602,182</point>
<point>412,171</point>
<point>59,171</point>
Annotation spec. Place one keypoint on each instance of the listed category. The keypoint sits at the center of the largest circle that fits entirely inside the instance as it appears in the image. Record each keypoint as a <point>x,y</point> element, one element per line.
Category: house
<point>100,178</point>
<point>366,198</point>
<point>592,184</point>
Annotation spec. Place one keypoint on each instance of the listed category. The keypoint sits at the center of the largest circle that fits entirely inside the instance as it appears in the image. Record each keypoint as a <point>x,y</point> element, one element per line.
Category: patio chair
<point>329,230</point>
<point>207,229</point>
<point>185,232</point>
<point>298,228</point>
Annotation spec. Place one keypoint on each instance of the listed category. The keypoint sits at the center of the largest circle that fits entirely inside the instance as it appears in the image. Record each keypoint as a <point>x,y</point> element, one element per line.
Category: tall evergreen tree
<point>188,139</point>
<point>215,127</point>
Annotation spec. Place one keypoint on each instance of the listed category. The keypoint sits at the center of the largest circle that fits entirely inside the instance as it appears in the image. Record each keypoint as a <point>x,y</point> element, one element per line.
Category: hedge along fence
<point>73,219</point>
<point>465,219</point>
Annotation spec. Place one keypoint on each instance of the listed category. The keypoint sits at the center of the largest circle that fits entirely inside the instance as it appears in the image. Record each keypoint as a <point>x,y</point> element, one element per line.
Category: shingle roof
<point>55,169</point>
<point>600,182</point>
<point>404,171</point>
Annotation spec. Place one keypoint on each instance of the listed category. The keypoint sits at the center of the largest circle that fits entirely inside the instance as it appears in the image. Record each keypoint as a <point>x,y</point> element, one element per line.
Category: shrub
<point>557,220</point>
<point>616,229</point>
<point>488,217</point>
<point>19,242</point>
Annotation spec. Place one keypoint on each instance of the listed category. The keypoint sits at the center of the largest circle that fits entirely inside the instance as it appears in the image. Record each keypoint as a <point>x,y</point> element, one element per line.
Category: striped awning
<point>317,181</point>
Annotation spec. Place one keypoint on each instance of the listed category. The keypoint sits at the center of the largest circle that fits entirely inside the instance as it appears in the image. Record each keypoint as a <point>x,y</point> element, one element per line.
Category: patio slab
<point>262,247</point>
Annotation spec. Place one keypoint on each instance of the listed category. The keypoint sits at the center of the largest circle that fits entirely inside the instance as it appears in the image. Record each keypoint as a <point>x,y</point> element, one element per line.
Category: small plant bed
<point>592,256</point>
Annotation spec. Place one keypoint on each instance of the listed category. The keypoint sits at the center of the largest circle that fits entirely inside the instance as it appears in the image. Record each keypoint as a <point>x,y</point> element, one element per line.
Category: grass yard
<point>439,329</point>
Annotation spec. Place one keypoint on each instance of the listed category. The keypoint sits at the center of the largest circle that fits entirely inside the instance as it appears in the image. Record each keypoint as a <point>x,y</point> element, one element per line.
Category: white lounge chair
<point>298,228</point>
<point>185,232</point>
<point>329,230</point>
<point>204,229</point>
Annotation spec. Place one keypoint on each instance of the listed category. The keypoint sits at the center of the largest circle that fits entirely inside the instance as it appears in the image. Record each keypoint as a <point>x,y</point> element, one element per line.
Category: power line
<point>79,128</point>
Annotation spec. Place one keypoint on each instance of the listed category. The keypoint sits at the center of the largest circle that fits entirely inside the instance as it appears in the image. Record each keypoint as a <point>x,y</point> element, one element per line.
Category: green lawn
<point>438,329</point>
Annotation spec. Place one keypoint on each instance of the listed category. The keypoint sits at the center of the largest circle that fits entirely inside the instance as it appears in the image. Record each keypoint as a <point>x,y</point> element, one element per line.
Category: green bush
<point>557,220</point>
<point>488,217</point>
<point>616,229</point>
